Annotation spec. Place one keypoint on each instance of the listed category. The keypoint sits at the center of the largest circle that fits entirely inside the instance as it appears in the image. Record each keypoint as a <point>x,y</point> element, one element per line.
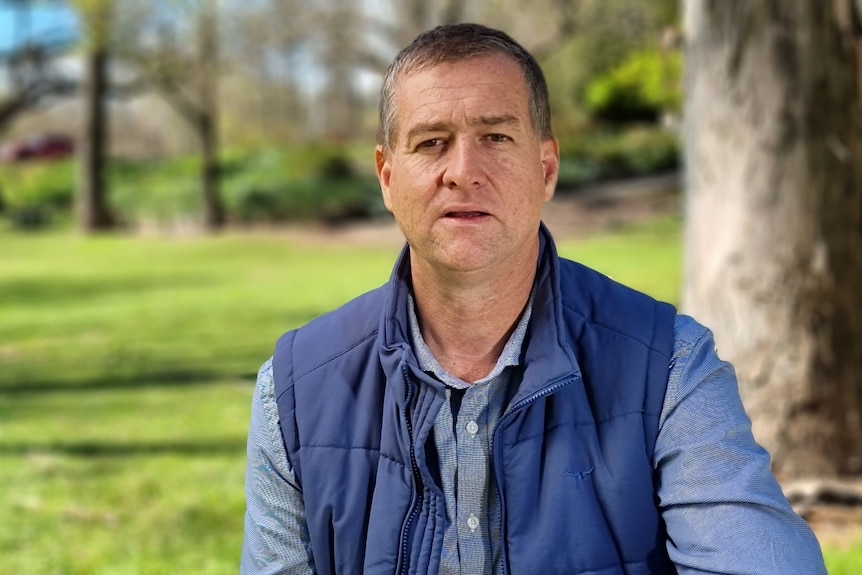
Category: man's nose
<point>464,165</point>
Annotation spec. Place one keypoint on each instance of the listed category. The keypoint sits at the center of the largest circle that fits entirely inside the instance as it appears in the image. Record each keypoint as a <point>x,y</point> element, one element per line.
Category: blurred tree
<point>580,40</point>
<point>174,48</point>
<point>312,61</point>
<point>401,21</point>
<point>263,94</point>
<point>453,11</point>
<point>774,217</point>
<point>94,213</point>
<point>341,103</point>
<point>205,116</point>
<point>31,64</point>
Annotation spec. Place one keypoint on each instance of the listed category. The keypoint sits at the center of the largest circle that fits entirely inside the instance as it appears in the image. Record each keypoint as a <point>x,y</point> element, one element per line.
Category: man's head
<point>455,43</point>
<point>467,158</point>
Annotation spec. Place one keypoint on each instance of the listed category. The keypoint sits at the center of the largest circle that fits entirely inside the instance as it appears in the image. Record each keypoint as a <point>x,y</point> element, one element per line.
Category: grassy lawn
<point>126,371</point>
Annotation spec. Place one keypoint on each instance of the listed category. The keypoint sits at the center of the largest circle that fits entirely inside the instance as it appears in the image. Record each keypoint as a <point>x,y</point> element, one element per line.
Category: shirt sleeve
<point>723,508</point>
<point>276,540</point>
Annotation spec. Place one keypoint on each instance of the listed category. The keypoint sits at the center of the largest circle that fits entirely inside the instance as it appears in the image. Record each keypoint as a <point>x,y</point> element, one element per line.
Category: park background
<point>183,181</point>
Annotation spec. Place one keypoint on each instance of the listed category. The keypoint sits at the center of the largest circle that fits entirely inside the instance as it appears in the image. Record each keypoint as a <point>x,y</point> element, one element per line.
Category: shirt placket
<point>471,435</point>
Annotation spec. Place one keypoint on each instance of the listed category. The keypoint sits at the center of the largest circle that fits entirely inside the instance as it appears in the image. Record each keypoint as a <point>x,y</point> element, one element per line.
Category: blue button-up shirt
<point>722,507</point>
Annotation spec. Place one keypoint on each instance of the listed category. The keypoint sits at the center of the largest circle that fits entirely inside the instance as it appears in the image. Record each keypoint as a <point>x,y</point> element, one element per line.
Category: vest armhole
<point>658,371</point>
<point>282,377</point>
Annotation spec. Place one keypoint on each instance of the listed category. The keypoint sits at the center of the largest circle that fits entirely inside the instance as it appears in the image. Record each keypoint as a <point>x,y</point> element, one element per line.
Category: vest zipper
<point>417,479</point>
<point>497,456</point>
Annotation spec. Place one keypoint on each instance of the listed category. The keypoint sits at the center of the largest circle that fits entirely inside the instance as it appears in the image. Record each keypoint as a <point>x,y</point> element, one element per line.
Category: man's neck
<point>467,318</point>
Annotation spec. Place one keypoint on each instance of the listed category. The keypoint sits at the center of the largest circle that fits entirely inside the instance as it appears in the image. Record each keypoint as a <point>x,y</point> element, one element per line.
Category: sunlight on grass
<point>647,258</point>
<point>844,561</point>
<point>127,370</point>
<point>128,366</point>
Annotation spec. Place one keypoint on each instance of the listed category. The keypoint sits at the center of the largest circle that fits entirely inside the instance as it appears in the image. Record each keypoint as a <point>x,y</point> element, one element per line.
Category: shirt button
<point>472,522</point>
<point>472,428</point>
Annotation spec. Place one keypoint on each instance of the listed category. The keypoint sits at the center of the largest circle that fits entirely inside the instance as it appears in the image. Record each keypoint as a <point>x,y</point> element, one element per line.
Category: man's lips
<point>465,214</point>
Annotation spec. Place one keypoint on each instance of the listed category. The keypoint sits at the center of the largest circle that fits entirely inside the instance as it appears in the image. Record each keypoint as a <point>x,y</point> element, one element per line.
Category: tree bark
<point>94,213</point>
<point>773,230</point>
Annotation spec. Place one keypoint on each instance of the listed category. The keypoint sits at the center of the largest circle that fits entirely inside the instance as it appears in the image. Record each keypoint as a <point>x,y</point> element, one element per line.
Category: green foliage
<point>33,193</point>
<point>161,192</point>
<point>313,184</point>
<point>599,155</point>
<point>647,83</point>
<point>608,31</point>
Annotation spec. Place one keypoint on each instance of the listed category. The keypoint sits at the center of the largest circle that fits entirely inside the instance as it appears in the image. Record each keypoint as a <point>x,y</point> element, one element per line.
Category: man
<point>494,408</point>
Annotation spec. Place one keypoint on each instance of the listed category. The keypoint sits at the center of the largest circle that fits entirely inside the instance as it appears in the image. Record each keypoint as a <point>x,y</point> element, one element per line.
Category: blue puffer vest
<point>572,457</point>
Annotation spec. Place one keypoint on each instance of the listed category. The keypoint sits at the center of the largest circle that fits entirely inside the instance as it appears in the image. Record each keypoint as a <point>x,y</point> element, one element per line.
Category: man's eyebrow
<point>495,120</point>
<point>425,127</point>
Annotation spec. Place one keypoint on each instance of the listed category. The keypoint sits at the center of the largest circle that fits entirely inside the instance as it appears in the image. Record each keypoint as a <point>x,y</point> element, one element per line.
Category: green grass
<point>647,258</point>
<point>843,561</point>
<point>126,372</point>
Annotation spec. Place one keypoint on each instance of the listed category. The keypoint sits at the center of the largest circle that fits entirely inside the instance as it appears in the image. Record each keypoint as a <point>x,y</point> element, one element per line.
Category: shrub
<point>325,189</point>
<point>649,151</point>
<point>646,84</point>
<point>311,183</point>
<point>33,193</point>
<point>163,192</point>
<point>600,155</point>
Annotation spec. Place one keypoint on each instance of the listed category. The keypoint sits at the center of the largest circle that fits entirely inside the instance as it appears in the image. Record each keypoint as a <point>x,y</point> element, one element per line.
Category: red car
<point>39,147</point>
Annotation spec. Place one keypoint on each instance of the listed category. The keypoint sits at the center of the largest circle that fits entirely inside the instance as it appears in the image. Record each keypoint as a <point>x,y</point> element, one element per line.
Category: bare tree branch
<point>32,96</point>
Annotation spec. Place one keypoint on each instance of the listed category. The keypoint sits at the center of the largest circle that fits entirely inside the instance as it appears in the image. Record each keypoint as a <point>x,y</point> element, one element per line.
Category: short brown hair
<point>455,43</point>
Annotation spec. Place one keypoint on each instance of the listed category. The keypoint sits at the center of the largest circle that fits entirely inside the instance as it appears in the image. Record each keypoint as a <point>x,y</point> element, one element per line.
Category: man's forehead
<point>488,88</point>
<point>482,66</point>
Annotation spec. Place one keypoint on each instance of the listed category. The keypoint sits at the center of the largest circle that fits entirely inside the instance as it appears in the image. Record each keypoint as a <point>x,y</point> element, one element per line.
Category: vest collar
<point>547,356</point>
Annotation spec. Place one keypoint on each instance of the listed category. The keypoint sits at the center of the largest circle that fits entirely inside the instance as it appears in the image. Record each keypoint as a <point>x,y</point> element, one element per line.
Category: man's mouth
<point>467,215</point>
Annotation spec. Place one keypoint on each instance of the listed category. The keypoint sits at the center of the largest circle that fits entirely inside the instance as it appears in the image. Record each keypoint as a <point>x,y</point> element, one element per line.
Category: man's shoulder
<point>332,335</point>
<point>604,302</point>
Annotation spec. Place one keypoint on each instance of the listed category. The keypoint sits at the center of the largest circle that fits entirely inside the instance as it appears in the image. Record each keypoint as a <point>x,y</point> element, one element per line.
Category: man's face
<point>467,176</point>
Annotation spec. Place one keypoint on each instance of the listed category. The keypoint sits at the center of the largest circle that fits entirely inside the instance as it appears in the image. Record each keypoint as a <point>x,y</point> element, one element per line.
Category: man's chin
<point>463,257</point>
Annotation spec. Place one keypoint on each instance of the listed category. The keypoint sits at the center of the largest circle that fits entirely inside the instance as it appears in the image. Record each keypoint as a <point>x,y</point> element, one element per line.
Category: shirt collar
<point>510,356</point>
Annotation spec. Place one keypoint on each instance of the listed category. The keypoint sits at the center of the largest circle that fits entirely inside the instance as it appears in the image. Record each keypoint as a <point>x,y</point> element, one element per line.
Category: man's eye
<point>499,138</point>
<point>432,143</point>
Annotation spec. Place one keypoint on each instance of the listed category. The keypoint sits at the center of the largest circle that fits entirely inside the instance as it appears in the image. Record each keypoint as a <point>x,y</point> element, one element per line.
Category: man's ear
<point>550,166</point>
<point>384,173</point>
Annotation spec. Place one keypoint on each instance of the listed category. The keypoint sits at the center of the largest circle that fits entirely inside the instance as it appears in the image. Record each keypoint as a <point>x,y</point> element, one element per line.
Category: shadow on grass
<point>131,382</point>
<point>65,290</point>
<point>130,449</point>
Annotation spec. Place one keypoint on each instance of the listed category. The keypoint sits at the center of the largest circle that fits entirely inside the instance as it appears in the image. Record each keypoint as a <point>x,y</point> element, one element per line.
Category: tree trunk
<point>94,213</point>
<point>774,218</point>
<point>207,118</point>
<point>214,216</point>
